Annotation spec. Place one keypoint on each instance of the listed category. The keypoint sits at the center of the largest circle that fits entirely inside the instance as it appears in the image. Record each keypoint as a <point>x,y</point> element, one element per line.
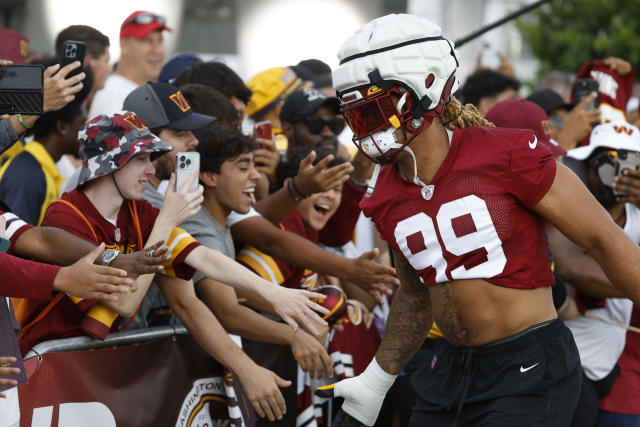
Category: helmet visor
<point>371,115</point>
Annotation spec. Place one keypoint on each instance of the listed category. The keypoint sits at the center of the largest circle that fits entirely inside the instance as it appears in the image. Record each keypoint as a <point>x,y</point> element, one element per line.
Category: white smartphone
<point>186,163</point>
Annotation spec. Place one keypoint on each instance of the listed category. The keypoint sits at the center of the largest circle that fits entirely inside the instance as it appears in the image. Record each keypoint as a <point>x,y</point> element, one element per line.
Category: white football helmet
<point>401,55</point>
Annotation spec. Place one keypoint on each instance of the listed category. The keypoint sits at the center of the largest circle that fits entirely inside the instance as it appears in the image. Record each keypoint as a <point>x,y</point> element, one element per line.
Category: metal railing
<point>116,339</point>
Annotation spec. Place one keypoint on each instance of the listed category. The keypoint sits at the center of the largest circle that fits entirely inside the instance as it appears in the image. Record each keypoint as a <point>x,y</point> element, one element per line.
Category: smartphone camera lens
<point>188,162</point>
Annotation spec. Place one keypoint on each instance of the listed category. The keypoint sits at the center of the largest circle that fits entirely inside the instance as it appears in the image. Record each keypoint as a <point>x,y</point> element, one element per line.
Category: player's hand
<point>58,90</point>
<point>85,279</point>
<point>310,354</point>
<point>578,124</point>
<point>370,276</point>
<point>320,178</point>
<point>629,184</point>
<point>363,395</point>
<point>6,370</point>
<point>179,206</point>
<point>266,159</point>
<point>147,261</point>
<point>295,305</point>
<point>262,388</point>
<point>618,65</point>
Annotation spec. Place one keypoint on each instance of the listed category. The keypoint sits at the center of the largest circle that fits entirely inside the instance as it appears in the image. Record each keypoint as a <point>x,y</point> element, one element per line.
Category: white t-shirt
<point>600,344</point>
<point>109,99</point>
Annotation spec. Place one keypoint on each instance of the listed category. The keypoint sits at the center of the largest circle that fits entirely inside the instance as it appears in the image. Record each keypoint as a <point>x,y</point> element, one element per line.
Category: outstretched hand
<point>370,276</point>
<point>147,261</point>
<point>295,305</point>
<point>320,178</point>
<point>263,390</point>
<point>85,279</point>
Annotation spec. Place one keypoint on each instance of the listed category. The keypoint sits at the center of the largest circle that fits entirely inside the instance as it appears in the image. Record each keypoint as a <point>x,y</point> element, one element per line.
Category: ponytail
<point>457,116</point>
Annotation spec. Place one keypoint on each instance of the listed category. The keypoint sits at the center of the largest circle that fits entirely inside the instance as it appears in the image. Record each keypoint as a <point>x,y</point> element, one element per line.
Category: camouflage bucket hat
<point>108,142</point>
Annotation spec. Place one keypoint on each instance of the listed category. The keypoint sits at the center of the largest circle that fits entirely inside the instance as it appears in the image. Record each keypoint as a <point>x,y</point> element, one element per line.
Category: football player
<point>462,206</point>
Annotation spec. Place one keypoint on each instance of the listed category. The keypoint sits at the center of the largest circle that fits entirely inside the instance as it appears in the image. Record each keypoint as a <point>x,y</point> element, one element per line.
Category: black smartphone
<point>21,89</point>
<point>582,89</point>
<point>73,51</point>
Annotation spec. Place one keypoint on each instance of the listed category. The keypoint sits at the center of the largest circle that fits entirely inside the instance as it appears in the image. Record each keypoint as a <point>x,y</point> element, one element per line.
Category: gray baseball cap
<point>163,105</point>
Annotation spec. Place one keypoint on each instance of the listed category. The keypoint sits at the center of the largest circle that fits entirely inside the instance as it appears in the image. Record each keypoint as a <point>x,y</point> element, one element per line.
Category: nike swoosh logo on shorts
<point>532,144</point>
<point>523,369</point>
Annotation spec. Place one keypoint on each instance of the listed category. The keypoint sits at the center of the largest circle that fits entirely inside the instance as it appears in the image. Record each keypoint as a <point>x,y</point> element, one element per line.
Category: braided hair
<point>456,115</point>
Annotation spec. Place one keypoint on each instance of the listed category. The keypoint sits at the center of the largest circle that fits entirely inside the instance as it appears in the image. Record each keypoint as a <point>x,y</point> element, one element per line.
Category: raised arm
<point>570,207</point>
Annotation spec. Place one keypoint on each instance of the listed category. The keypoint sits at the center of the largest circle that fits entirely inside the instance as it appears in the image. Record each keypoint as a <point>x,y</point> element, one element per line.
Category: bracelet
<point>291,193</point>
<point>297,190</point>
<point>24,125</point>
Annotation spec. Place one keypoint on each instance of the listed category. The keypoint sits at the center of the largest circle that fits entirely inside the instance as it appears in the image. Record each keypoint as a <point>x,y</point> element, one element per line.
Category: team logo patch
<point>180,101</point>
<point>135,121</point>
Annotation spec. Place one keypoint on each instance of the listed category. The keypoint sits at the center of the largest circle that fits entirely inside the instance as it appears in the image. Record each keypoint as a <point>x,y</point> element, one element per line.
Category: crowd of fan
<point>94,172</point>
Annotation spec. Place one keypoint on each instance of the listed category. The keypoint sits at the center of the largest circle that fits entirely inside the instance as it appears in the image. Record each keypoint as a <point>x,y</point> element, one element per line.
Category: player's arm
<point>300,252</point>
<point>578,268</point>
<point>570,207</point>
<point>407,326</point>
<point>261,385</point>
<point>241,320</point>
<point>292,305</point>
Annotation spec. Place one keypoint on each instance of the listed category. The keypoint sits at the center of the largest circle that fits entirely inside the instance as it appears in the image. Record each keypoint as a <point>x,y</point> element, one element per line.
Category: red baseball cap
<point>14,46</point>
<point>140,23</point>
<point>523,114</point>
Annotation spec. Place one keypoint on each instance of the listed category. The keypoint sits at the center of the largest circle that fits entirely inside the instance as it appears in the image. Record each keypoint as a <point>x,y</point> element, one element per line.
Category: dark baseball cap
<point>548,100</point>
<point>523,114</point>
<point>304,102</point>
<point>177,65</point>
<point>163,105</point>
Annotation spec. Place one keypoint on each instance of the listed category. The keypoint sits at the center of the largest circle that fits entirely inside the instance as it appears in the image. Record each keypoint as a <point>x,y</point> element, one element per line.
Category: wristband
<point>292,194</point>
<point>297,190</point>
<point>24,125</point>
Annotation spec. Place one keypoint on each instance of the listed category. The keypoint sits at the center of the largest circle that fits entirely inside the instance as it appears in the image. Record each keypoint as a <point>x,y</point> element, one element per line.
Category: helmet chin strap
<point>427,190</point>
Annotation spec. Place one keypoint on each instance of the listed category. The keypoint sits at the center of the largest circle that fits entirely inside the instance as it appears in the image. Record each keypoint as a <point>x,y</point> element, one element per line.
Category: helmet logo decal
<point>372,90</point>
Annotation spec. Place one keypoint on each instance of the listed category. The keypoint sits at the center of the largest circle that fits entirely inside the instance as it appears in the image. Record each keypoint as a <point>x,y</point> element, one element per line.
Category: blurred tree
<point>563,34</point>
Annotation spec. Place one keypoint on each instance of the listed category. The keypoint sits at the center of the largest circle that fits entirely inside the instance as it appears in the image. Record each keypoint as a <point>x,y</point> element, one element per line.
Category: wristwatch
<point>108,256</point>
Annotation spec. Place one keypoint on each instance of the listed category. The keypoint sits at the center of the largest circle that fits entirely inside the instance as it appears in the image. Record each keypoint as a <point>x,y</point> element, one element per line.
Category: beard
<point>164,168</point>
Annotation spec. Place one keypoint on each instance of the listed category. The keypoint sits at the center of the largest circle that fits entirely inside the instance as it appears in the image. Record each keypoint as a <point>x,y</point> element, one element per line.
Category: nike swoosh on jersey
<point>532,144</point>
<point>523,369</point>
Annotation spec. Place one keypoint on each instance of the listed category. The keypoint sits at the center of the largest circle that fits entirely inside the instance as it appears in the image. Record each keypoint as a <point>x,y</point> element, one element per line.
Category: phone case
<point>582,88</point>
<point>186,164</point>
<point>21,89</point>
<point>627,160</point>
<point>73,50</point>
<point>263,130</point>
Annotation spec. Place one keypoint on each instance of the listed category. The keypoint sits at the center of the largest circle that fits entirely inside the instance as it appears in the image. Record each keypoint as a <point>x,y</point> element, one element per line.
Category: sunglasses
<point>144,19</point>
<point>316,124</point>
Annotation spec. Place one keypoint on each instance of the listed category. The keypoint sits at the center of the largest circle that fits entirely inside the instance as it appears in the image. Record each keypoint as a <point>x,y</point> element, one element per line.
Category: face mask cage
<point>371,110</point>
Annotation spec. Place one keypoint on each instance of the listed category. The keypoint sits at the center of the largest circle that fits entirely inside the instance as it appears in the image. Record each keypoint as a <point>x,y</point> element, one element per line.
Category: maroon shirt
<point>478,223</point>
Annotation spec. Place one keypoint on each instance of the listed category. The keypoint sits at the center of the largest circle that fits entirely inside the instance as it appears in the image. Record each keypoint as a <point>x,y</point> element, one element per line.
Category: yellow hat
<point>270,85</point>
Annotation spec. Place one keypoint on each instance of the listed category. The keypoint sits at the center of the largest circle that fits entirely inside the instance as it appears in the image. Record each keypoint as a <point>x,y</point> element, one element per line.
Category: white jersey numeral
<point>427,252</point>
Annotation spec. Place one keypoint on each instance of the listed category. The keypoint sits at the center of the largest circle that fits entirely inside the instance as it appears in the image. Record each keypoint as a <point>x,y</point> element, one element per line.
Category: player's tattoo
<point>447,317</point>
<point>409,319</point>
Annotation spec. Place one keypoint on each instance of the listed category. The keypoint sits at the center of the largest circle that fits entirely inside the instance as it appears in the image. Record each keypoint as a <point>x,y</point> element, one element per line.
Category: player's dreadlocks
<point>455,115</point>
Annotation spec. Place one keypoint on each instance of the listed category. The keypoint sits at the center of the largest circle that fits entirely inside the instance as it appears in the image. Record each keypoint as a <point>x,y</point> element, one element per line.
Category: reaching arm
<point>260,384</point>
<point>291,304</point>
<point>362,271</point>
<point>570,207</point>
<point>241,320</point>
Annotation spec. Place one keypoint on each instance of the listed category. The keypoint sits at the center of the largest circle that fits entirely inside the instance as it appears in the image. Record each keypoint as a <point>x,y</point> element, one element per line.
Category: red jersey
<point>73,316</point>
<point>477,223</point>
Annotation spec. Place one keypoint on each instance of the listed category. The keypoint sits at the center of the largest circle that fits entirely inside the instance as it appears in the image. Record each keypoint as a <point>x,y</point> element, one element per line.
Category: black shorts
<point>529,379</point>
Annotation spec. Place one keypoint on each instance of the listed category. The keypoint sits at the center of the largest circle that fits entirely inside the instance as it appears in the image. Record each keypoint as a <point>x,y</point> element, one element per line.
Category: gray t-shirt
<point>211,234</point>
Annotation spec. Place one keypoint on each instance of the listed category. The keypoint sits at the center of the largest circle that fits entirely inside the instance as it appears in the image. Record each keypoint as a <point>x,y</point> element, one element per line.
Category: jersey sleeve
<point>26,279</point>
<point>180,245</point>
<point>23,187</point>
<point>261,264</point>
<point>14,227</point>
<point>60,215</point>
<point>531,169</point>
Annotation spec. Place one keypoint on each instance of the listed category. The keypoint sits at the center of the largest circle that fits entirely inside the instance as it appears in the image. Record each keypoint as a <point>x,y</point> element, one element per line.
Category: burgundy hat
<point>523,114</point>
<point>14,46</point>
<point>140,23</point>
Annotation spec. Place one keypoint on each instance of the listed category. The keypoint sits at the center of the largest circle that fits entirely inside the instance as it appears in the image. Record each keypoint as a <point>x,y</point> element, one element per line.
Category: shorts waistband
<point>518,335</point>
